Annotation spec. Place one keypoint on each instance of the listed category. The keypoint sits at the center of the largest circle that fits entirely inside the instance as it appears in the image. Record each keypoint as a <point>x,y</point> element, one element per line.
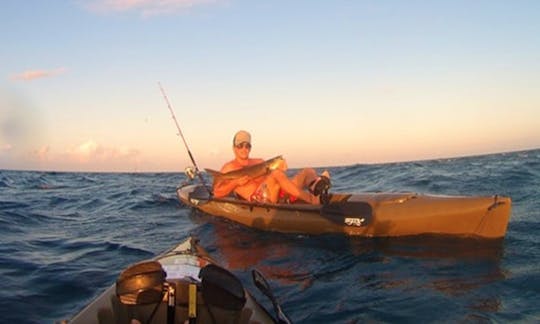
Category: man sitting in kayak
<point>272,186</point>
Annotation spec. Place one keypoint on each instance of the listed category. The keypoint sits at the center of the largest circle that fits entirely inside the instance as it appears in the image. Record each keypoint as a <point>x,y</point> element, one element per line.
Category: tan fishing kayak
<point>367,214</point>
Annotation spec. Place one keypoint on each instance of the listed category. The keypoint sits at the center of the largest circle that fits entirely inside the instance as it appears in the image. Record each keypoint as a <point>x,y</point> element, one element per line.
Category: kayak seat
<point>221,288</point>
<point>199,193</point>
<point>236,196</point>
<point>209,310</point>
<point>141,283</point>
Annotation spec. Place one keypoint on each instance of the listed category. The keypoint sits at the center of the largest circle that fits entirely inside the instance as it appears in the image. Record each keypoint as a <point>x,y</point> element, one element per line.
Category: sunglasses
<point>243,145</point>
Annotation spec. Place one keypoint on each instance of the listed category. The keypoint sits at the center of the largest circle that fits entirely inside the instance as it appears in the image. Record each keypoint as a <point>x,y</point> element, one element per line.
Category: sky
<point>323,83</point>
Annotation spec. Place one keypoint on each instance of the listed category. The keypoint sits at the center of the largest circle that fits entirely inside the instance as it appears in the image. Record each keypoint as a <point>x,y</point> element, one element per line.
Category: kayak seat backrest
<point>236,196</point>
<point>199,193</point>
<point>206,313</point>
<point>221,288</point>
<point>141,283</point>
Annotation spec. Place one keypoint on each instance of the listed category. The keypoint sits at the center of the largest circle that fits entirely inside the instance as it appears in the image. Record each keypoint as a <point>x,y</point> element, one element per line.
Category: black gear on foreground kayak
<point>181,285</point>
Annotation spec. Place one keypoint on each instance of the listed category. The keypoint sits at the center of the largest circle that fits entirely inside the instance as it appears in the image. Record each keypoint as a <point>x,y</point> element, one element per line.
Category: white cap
<point>241,137</point>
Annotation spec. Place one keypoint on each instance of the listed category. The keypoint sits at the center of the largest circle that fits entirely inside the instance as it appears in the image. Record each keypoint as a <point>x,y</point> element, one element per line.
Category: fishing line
<point>183,139</point>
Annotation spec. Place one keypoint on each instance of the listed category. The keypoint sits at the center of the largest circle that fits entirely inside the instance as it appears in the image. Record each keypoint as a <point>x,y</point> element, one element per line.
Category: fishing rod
<point>183,139</point>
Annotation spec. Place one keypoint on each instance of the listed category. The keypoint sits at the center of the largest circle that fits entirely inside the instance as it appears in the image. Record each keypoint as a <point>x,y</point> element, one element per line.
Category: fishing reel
<point>190,173</point>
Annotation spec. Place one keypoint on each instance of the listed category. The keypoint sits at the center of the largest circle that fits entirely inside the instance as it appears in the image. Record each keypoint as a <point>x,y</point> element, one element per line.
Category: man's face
<point>241,151</point>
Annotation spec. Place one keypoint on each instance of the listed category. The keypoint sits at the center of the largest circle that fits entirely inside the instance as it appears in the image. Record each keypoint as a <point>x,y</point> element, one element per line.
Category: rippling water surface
<point>66,236</point>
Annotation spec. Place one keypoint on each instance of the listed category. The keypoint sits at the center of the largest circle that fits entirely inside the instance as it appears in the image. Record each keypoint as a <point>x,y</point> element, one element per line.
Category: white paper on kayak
<point>179,271</point>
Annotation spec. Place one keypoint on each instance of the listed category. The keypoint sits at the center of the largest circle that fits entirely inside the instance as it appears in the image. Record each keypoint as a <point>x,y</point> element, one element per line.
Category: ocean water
<point>64,238</point>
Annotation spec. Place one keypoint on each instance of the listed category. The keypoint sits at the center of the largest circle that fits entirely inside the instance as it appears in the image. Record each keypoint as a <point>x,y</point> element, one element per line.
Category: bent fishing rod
<point>183,139</point>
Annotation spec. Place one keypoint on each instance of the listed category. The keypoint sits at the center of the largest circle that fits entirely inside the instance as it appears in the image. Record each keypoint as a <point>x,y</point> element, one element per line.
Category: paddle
<point>264,287</point>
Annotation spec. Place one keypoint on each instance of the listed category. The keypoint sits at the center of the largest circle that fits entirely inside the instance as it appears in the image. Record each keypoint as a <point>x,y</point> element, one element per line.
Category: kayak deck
<point>182,265</point>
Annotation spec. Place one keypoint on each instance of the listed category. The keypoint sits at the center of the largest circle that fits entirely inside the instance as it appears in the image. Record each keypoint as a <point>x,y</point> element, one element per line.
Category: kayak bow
<point>181,285</point>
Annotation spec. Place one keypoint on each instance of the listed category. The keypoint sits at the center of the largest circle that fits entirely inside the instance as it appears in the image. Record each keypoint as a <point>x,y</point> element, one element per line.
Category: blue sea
<point>64,238</point>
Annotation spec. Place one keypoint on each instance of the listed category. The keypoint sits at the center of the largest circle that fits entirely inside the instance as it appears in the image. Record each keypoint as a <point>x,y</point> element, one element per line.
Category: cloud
<point>90,151</point>
<point>85,156</point>
<point>6,147</point>
<point>37,74</point>
<point>42,154</point>
<point>86,150</point>
<point>146,7</point>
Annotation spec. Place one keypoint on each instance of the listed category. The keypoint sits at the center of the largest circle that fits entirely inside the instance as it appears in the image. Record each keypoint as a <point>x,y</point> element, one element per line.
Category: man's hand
<point>243,180</point>
<point>283,165</point>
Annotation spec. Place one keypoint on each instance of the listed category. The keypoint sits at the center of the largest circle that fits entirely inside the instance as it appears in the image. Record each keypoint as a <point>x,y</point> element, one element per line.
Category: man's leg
<point>278,179</point>
<point>304,178</point>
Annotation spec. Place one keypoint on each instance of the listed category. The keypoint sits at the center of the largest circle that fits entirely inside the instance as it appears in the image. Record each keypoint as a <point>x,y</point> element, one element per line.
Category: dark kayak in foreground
<point>366,214</point>
<point>181,285</point>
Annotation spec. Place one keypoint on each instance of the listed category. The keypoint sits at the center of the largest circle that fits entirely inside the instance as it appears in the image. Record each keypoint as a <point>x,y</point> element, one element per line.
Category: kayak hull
<point>367,214</point>
<point>182,265</point>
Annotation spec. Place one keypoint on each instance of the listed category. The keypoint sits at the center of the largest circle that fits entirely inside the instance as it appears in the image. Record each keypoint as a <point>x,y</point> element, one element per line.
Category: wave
<point>66,236</point>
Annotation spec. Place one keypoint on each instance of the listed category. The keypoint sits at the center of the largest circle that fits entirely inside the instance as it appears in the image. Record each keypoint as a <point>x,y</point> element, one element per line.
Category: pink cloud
<point>146,7</point>
<point>91,151</point>
<point>42,153</point>
<point>85,156</point>
<point>6,147</point>
<point>37,74</point>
